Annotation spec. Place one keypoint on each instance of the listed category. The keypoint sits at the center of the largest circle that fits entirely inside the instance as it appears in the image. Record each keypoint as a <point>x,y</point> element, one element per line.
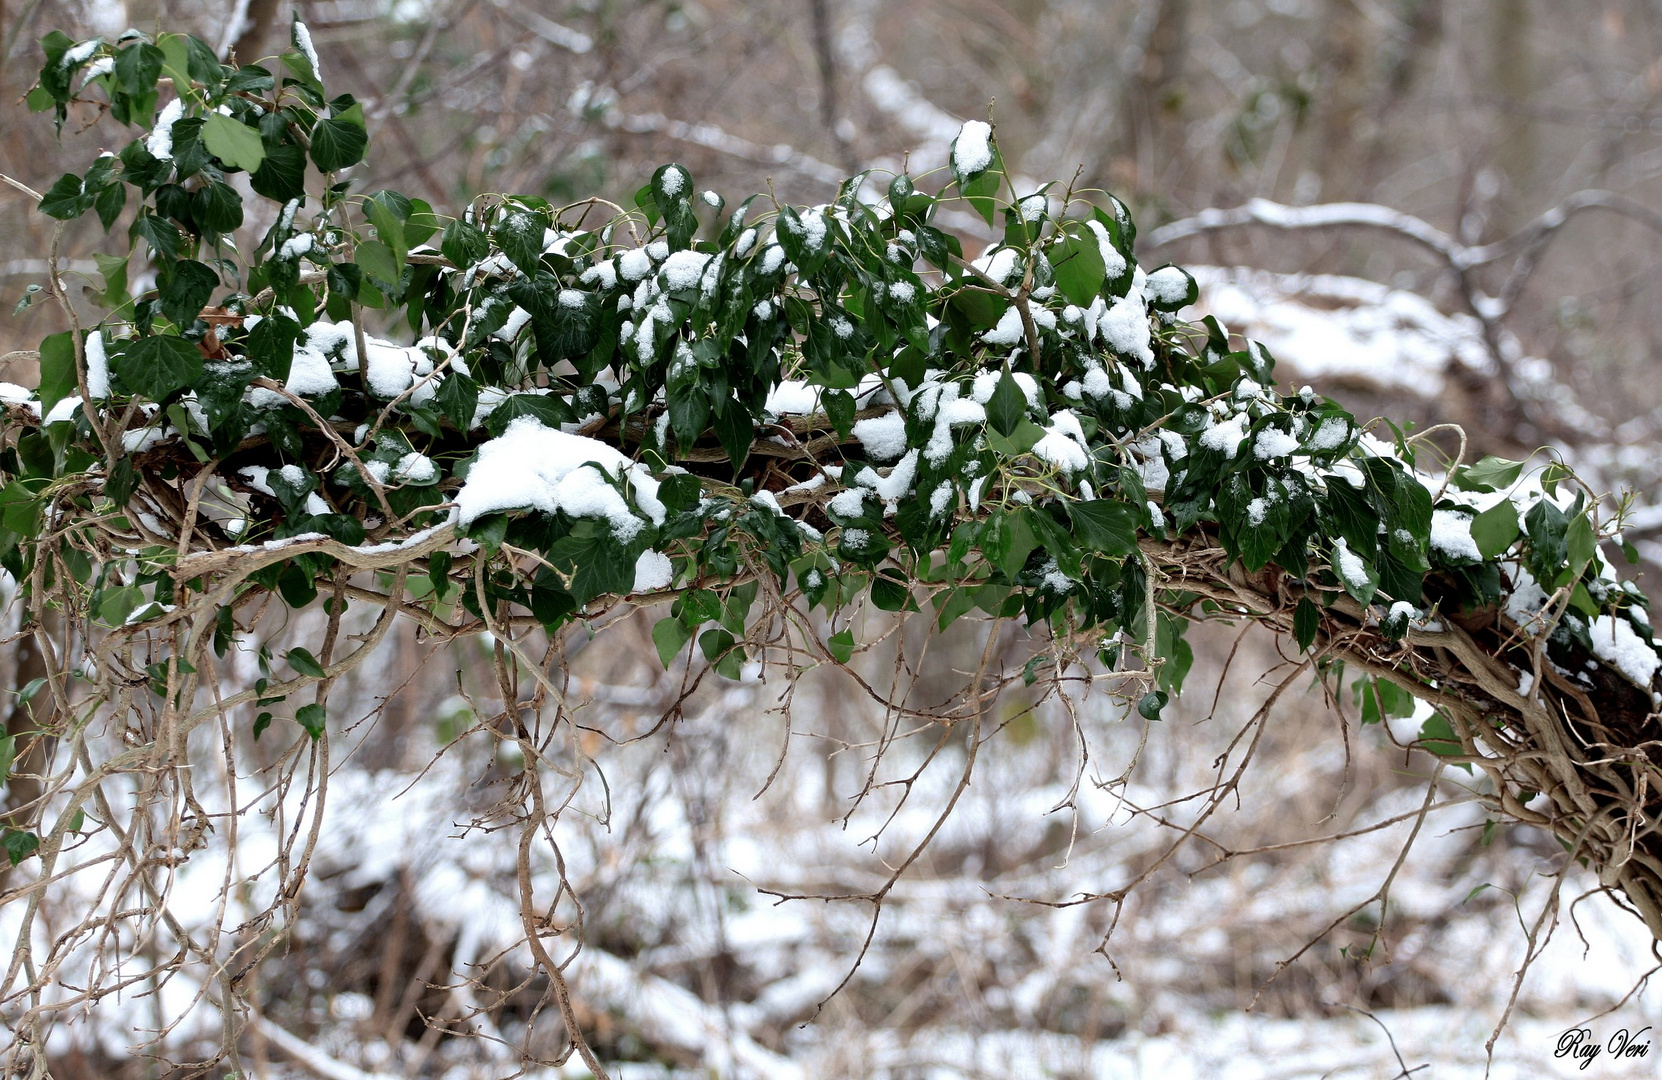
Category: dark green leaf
<point>1007,406</point>
<point>458,399</point>
<point>19,845</point>
<point>1105,525</point>
<point>839,409</point>
<point>1547,553</point>
<point>108,204</point>
<point>736,430</point>
<point>680,491</point>
<point>598,563</point>
<point>160,233</point>
<point>157,366</point>
<point>1150,704</point>
<point>305,663</point>
<point>1080,273</point>
<point>66,199</point>
<point>311,717</point>
<point>217,207</point>
<point>186,290</point>
<point>282,176</point>
<point>1307,619</point>
<point>337,144</point>
<point>57,370</point>
<point>889,592</point>
<point>463,244</point>
<point>519,235</point>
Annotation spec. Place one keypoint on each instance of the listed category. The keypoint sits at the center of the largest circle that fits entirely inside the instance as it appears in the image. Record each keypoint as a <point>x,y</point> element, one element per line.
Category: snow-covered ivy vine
<point>521,415</point>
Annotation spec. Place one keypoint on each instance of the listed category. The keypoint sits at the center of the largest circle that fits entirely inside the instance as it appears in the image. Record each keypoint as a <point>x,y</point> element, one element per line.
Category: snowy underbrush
<point>404,954</point>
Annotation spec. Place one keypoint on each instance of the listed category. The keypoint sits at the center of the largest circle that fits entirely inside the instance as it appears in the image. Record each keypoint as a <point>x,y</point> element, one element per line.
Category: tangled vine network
<point>772,418</point>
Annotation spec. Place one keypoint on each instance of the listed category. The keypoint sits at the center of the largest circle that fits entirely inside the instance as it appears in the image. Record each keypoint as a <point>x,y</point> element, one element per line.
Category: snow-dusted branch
<point>1323,216</point>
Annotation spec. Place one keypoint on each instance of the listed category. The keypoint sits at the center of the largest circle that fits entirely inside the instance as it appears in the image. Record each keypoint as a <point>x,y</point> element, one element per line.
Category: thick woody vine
<point>298,394</point>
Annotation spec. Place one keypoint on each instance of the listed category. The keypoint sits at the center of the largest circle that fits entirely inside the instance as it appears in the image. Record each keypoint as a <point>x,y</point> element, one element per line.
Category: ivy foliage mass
<point>688,399</point>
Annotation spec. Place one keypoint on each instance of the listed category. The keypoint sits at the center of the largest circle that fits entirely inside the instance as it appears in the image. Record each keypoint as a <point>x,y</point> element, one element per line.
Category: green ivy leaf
<point>282,175</point>
<point>1150,704</point>
<point>186,290</point>
<point>233,142</point>
<point>108,204</point>
<point>337,144</point>
<point>378,261</point>
<point>1307,619</point>
<point>157,366</point>
<point>1105,525</point>
<point>889,591</point>
<point>1080,273</point>
<point>723,652</point>
<point>311,717</point>
<point>137,68</point>
<point>19,845</point>
<point>1024,438</point>
<point>1580,542</point>
<point>841,646</point>
<point>680,491</point>
<point>57,370</point>
<point>670,636</point>
<point>599,565</point>
<point>519,235</point>
<point>463,244</point>
<point>1007,406</point>
<point>1547,553</point>
<point>383,210</point>
<point>1495,528</point>
<point>305,663</point>
<point>66,199</point>
<point>1489,474</point>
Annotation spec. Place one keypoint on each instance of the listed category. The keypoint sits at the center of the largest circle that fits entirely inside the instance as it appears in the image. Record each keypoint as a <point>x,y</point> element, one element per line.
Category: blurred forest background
<point>1475,117</point>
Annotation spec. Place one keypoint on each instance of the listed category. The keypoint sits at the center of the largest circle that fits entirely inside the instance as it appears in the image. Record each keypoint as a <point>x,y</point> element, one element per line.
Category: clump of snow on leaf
<point>1618,644</point>
<point>653,570</point>
<point>884,437</point>
<point>1168,285</point>
<point>1451,534</point>
<point>972,151</point>
<point>160,141</point>
<point>532,467</point>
